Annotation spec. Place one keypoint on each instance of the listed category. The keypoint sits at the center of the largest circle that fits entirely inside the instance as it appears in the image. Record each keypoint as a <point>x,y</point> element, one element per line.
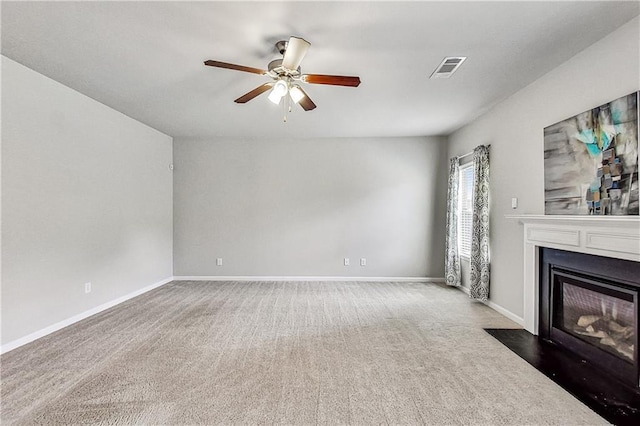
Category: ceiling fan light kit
<point>296,93</point>
<point>286,74</point>
<point>279,90</point>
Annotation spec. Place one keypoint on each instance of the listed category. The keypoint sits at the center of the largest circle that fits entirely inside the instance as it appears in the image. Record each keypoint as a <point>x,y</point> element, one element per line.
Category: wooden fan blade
<point>234,67</point>
<point>335,80</point>
<point>252,94</point>
<point>296,49</point>
<point>306,103</point>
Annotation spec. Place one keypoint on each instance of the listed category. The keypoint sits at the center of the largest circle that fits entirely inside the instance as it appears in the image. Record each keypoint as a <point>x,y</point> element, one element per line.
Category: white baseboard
<point>59,325</point>
<point>304,278</point>
<point>513,317</point>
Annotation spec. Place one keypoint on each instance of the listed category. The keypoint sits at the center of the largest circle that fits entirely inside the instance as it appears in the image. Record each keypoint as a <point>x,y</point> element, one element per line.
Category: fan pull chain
<point>284,109</point>
<point>286,106</point>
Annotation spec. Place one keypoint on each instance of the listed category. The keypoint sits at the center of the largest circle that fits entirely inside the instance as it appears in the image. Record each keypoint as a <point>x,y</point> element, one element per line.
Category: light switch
<point>514,203</point>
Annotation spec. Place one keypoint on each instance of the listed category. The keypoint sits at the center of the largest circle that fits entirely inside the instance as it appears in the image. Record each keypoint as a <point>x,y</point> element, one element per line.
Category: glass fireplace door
<point>596,319</point>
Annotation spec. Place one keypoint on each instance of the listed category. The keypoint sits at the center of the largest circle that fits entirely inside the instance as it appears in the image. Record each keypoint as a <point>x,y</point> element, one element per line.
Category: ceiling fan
<point>286,76</point>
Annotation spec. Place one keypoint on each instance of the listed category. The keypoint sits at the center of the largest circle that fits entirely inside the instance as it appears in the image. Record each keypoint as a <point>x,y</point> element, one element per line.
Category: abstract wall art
<point>591,161</point>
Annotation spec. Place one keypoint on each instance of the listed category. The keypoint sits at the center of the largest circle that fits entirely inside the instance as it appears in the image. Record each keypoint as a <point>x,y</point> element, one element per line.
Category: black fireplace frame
<point>607,275</point>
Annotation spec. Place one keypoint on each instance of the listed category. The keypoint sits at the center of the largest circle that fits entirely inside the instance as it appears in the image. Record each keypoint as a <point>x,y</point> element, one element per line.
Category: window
<point>465,209</point>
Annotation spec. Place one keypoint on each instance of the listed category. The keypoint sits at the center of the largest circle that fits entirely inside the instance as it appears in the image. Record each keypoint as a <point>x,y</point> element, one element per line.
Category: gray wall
<point>514,128</point>
<point>86,197</point>
<point>298,207</point>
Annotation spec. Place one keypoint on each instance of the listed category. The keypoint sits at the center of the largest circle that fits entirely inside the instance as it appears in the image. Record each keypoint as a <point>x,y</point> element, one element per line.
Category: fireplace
<point>581,282</point>
<point>589,306</point>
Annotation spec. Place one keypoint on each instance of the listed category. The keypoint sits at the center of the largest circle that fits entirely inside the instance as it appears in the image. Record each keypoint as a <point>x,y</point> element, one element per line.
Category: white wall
<point>298,207</point>
<point>605,71</point>
<point>86,197</point>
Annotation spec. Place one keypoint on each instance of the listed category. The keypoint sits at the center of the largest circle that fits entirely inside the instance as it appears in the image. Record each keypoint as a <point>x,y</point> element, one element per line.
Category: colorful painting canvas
<point>591,161</point>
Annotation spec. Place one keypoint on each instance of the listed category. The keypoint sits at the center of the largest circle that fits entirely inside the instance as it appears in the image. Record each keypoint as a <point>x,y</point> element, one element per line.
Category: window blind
<point>465,209</point>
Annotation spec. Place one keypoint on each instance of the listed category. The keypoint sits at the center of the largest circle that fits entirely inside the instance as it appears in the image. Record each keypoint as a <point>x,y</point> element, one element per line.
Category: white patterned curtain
<point>480,262</point>
<point>452,261</point>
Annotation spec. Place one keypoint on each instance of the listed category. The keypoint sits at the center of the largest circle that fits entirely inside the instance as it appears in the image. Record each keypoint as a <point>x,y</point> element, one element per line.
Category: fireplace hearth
<point>589,307</point>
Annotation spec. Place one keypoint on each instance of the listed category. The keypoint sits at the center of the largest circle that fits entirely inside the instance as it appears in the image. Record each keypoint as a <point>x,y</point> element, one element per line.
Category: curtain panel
<point>452,260</point>
<point>480,261</point>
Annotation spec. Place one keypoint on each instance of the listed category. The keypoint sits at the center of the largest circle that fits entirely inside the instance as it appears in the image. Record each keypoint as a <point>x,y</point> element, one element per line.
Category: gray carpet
<point>283,352</point>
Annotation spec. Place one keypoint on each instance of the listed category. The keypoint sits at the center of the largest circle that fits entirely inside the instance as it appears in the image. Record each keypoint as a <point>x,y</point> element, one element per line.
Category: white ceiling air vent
<point>448,66</point>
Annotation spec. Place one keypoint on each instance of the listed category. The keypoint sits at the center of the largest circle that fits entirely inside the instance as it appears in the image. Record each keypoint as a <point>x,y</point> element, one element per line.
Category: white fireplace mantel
<point>609,236</point>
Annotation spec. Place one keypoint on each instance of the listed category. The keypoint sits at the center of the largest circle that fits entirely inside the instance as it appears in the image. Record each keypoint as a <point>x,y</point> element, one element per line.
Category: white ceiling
<point>145,59</point>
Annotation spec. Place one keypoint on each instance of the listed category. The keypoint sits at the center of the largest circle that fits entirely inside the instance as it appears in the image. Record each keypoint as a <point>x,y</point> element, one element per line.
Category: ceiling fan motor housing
<point>276,70</point>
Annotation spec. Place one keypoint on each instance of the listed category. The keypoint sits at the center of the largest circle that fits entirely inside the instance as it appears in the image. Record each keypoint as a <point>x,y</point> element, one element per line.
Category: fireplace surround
<point>615,237</point>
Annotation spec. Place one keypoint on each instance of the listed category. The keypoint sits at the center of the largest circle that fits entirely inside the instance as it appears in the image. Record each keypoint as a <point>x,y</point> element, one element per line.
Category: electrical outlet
<point>219,261</point>
<point>87,287</point>
<point>346,261</point>
<point>363,261</point>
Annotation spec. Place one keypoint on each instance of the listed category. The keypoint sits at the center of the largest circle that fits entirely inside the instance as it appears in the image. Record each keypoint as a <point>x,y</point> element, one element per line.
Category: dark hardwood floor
<point>605,395</point>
